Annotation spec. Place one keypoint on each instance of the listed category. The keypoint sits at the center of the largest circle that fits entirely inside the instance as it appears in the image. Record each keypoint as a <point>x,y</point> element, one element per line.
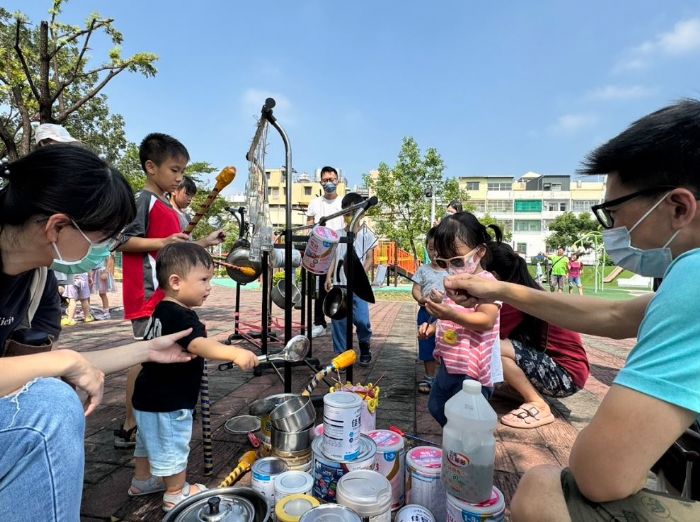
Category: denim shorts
<point>426,347</point>
<point>164,438</point>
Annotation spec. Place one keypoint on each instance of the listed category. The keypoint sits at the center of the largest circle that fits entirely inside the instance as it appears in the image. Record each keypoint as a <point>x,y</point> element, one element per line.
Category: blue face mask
<point>329,187</point>
<point>648,263</point>
<point>96,255</point>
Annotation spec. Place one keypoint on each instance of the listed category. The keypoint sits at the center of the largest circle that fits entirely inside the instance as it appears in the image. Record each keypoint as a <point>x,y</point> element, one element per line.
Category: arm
<point>417,294</point>
<point>609,459</point>
<point>143,244</point>
<point>481,320</point>
<point>213,349</point>
<point>616,319</point>
<point>329,275</point>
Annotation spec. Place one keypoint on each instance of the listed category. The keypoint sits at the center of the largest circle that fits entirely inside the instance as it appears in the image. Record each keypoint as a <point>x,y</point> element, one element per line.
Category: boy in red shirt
<point>163,159</point>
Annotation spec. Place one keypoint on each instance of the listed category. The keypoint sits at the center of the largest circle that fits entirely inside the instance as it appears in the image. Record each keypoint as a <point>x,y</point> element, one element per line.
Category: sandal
<point>170,500</point>
<point>425,385</point>
<point>146,487</point>
<point>527,416</point>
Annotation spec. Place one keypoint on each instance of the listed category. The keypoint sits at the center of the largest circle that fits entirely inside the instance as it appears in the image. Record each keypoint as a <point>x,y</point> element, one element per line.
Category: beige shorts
<point>647,506</point>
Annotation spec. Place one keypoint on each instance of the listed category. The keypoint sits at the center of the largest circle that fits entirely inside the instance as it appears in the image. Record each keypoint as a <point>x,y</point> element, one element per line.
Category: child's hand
<point>244,359</point>
<point>436,296</point>
<point>179,237</point>
<point>441,311</point>
<point>426,331</point>
<point>328,285</point>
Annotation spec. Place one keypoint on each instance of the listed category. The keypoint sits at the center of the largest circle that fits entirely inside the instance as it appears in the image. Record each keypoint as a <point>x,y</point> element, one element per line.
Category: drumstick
<point>225,177</point>
<point>339,362</point>
<point>245,270</point>
<point>244,465</point>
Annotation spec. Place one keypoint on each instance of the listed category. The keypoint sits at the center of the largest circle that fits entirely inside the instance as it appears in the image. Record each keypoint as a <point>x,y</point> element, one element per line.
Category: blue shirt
<point>665,363</point>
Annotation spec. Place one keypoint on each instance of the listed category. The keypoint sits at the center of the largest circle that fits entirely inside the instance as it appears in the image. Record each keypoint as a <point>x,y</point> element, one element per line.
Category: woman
<point>57,205</point>
<point>539,359</point>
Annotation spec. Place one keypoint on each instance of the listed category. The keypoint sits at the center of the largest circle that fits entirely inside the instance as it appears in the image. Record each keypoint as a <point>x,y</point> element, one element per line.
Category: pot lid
<point>218,509</point>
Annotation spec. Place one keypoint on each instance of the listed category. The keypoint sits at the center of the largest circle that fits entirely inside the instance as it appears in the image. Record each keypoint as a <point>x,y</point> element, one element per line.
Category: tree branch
<point>23,61</point>
<point>74,74</point>
<point>93,92</point>
<point>68,39</point>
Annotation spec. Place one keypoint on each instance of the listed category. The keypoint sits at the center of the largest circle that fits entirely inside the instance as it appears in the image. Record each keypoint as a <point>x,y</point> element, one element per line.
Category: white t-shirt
<point>365,241</point>
<point>322,207</point>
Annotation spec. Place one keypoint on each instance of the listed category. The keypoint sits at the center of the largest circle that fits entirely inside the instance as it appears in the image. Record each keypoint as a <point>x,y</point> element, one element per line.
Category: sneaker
<point>89,318</point>
<point>125,438</point>
<point>106,314</point>
<point>318,330</point>
<point>365,354</point>
<point>67,322</point>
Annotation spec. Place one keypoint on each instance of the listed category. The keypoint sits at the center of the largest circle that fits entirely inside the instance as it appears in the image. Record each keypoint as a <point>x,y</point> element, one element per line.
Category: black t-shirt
<point>170,387</point>
<point>14,303</point>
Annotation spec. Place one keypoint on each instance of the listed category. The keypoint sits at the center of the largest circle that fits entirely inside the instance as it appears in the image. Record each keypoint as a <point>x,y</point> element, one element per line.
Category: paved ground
<point>394,366</point>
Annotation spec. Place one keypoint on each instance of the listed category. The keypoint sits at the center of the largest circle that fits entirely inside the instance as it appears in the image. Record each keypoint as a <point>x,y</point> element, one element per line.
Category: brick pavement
<point>394,366</point>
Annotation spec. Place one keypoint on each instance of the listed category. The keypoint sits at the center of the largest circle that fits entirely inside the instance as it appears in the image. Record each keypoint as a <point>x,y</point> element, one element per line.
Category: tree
<point>568,229</point>
<point>403,213</point>
<point>45,77</point>
<point>488,219</point>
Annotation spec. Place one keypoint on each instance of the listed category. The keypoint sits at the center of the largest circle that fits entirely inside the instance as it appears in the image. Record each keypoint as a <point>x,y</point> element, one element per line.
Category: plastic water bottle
<point>266,231</point>
<point>469,444</point>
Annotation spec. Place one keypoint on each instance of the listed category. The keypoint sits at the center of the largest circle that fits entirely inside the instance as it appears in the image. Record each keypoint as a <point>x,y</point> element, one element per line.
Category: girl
<point>427,278</point>
<point>538,358</point>
<point>103,282</point>
<point>465,337</point>
<point>575,273</point>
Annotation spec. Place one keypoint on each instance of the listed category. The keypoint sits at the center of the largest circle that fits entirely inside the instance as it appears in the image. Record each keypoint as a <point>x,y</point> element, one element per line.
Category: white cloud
<point>683,39</point>
<point>616,92</point>
<point>572,123</point>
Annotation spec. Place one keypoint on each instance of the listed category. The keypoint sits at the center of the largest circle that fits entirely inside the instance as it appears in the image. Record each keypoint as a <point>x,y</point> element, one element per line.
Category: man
<point>325,205</point>
<point>560,268</point>
<point>651,222</point>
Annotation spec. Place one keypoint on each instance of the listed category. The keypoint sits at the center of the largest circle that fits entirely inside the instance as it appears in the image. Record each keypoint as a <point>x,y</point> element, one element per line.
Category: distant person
<point>324,205</point>
<point>78,291</point>
<point>102,283</point>
<point>181,199</point>
<point>559,268</point>
<point>575,273</point>
<point>454,207</point>
<point>50,133</point>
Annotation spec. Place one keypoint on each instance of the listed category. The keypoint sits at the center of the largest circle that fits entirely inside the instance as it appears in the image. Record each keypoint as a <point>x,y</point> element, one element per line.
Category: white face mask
<point>649,263</point>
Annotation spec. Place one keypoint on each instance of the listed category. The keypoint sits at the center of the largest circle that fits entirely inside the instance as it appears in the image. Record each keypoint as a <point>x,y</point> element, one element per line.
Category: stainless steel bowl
<point>263,407</point>
<point>291,444</point>
<point>295,414</point>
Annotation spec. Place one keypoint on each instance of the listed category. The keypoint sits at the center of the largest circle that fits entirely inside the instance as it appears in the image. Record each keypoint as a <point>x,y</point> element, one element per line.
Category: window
<point>500,186</point>
<point>583,205</point>
<point>273,192</point>
<point>556,206</point>
<point>528,225</point>
<point>307,191</point>
<point>472,185</point>
<point>479,205</point>
<point>556,186</point>
<point>499,205</point>
<point>521,248</point>
<point>528,205</point>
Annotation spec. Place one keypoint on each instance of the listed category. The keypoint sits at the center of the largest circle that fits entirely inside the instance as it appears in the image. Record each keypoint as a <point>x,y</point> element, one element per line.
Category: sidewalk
<point>394,366</point>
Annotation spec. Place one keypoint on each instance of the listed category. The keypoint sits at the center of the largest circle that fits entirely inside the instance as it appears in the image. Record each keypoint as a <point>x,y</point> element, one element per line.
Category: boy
<point>163,159</point>
<point>165,394</point>
<point>365,241</point>
<point>182,198</point>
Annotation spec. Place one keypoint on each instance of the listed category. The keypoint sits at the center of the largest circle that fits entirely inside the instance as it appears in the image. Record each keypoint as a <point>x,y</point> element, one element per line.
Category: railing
<point>389,253</point>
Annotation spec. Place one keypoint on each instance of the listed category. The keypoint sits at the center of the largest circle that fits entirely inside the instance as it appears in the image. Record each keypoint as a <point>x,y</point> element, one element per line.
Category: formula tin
<point>318,255</point>
<point>423,484</point>
<point>327,471</point>
<point>491,510</point>
<point>391,462</point>
<point>264,472</point>
<point>330,513</point>
<point>292,483</point>
<point>341,425</point>
<point>414,513</point>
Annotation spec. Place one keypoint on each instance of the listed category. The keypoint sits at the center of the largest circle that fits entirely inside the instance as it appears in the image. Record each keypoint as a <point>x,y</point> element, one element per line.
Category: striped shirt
<point>464,351</point>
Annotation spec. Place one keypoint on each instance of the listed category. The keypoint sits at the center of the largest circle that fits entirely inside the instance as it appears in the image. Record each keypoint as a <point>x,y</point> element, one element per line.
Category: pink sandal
<point>528,416</point>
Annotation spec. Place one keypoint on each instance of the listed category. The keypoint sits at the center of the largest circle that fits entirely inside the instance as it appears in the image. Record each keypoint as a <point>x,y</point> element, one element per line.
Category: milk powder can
<point>366,492</point>
<point>391,462</point>
<point>423,484</point>
<point>341,425</point>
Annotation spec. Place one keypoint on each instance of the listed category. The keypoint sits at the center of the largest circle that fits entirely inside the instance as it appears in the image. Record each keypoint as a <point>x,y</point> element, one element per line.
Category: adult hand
<point>178,237</point>
<point>165,350</point>
<point>87,378</point>
<point>215,238</point>
<point>439,310</point>
<point>468,290</point>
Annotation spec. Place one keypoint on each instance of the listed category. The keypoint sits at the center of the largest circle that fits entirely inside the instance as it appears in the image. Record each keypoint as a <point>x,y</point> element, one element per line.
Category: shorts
<point>559,281</point>
<point>164,438</point>
<point>575,281</point>
<point>646,505</point>
<point>425,346</point>
<point>543,372</point>
<point>79,289</point>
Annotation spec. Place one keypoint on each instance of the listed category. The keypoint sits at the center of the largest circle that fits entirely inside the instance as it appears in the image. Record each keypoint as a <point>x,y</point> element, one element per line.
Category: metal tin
<point>368,493</point>
<point>318,255</point>
<point>292,483</point>
<point>391,462</point>
<point>264,472</point>
<point>491,510</point>
<point>295,414</point>
<point>423,484</point>
<point>414,513</point>
<point>341,425</point>
<point>197,509</point>
<point>300,462</point>
<point>291,508</point>
<point>327,471</point>
<point>330,513</point>
<point>262,408</point>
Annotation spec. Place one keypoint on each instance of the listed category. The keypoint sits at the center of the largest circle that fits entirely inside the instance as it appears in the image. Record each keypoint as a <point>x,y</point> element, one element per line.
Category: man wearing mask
<point>651,226</point>
<point>325,205</point>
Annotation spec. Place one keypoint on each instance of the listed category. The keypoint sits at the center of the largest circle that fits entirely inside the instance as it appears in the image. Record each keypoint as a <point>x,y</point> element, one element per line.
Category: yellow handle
<point>345,359</point>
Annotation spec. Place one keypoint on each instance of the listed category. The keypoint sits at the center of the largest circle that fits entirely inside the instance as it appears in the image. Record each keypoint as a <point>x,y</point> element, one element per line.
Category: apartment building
<point>528,205</point>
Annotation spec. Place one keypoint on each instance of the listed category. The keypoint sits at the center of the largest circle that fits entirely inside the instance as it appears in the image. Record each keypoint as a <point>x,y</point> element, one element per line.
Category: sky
<point>498,88</point>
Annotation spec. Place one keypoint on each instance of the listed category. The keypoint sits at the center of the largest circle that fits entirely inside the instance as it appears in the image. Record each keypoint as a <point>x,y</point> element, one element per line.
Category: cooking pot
<point>295,414</point>
<point>237,504</point>
<point>335,304</point>
<point>277,295</point>
<point>240,256</point>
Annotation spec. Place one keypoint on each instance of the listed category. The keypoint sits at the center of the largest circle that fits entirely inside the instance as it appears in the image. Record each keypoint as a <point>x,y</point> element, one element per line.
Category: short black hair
<point>430,234</point>
<point>350,199</point>
<point>465,227</point>
<point>158,147</point>
<point>179,259</point>
<point>456,204</point>
<point>188,184</point>
<point>328,168</point>
<point>660,149</point>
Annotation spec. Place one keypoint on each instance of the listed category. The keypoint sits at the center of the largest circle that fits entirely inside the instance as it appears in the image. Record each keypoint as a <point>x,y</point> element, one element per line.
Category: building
<point>527,206</point>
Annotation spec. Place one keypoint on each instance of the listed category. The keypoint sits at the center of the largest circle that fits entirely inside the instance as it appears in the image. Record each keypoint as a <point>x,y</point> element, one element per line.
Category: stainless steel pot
<point>240,256</point>
<point>291,444</point>
<point>335,304</point>
<point>237,504</point>
<point>262,408</point>
<point>295,414</point>
<point>277,295</point>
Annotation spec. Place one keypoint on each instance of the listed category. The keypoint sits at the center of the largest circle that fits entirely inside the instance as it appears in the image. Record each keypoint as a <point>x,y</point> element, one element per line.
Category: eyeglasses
<point>602,211</point>
<point>453,262</point>
<point>110,243</point>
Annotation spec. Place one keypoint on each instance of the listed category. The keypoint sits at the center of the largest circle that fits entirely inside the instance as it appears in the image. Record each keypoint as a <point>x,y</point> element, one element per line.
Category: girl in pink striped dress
<point>465,337</point>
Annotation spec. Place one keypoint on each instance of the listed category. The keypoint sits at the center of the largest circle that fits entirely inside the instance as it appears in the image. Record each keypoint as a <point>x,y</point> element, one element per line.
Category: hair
<point>574,257</point>
<point>350,199</point>
<point>159,147</point>
<point>464,227</point>
<point>507,265</point>
<point>456,204</point>
<point>660,149</point>
<point>180,259</point>
<point>329,169</point>
<point>430,234</point>
<point>188,185</point>
<point>65,179</point>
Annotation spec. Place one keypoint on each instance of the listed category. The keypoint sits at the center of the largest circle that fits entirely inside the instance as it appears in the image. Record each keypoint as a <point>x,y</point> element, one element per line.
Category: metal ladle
<point>294,351</point>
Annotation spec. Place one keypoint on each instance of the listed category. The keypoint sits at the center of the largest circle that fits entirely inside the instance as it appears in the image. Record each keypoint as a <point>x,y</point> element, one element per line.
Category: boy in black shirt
<point>165,394</point>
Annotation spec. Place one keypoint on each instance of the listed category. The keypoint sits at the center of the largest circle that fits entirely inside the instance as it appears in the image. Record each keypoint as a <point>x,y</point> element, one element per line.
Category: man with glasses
<point>651,221</point>
<point>325,205</point>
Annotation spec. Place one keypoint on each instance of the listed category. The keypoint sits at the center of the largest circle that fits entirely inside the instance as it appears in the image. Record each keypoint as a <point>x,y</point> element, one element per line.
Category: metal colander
<point>242,424</point>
